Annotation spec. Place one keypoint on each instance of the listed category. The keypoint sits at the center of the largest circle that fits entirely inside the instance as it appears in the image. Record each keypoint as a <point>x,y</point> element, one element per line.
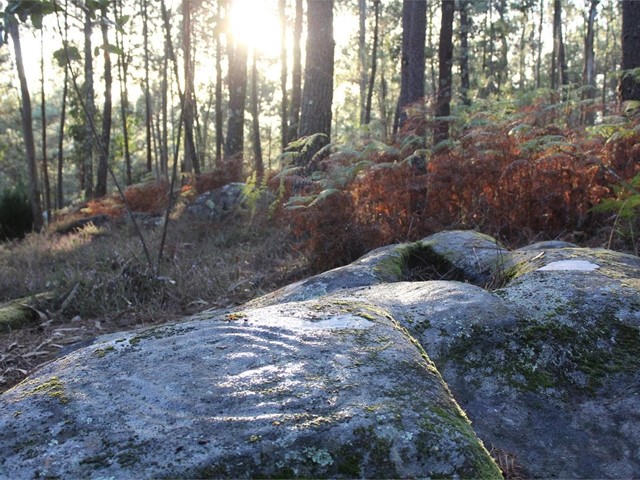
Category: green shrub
<point>16,218</point>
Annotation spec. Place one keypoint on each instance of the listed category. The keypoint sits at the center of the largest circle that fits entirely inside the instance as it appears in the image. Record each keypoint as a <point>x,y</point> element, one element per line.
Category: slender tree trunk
<point>629,86</point>
<point>43,113</point>
<point>374,61</point>
<point>384,115</point>
<point>90,108</point>
<point>362,57</point>
<point>559,75</point>
<point>445,56</point>
<point>317,95</point>
<point>237,101</point>
<point>284,127</point>
<point>218,120</point>
<point>522,84</point>
<point>163,126</point>
<point>296,75</point>
<point>123,67</point>
<point>605,67</point>
<point>63,114</point>
<point>465,28</point>
<point>105,136</point>
<point>255,114</point>
<point>414,18</point>
<point>147,89</point>
<point>190,158</point>
<point>502,71</point>
<point>27,127</point>
<point>432,62</point>
<point>589,72</point>
<point>539,47</point>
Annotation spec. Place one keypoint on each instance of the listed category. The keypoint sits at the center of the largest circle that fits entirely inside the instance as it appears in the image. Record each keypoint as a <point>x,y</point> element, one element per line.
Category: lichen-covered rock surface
<point>313,389</point>
<point>361,372</point>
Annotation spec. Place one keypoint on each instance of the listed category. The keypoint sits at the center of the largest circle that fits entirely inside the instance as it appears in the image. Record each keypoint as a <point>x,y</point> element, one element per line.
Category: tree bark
<point>629,86</point>
<point>218,115</point>
<point>63,115</point>
<point>362,57</point>
<point>589,71</point>
<point>296,75</point>
<point>237,101</point>
<point>414,18</point>
<point>147,88</point>
<point>465,28</point>
<point>559,76</point>
<point>43,114</point>
<point>317,95</point>
<point>539,47</point>
<point>501,72</point>
<point>284,128</point>
<point>89,140</point>
<point>374,61</point>
<point>190,157</point>
<point>27,127</point>
<point>105,136</point>
<point>445,57</point>
<point>123,67</point>
<point>255,114</point>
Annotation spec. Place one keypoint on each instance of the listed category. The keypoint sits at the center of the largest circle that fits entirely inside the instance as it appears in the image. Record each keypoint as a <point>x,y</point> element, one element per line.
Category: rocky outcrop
<point>311,389</point>
<point>369,370</point>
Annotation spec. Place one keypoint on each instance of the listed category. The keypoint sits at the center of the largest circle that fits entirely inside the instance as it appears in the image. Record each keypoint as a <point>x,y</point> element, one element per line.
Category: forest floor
<point>97,281</point>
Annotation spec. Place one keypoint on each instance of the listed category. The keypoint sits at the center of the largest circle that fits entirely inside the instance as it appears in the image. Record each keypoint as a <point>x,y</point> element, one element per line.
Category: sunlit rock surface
<point>315,389</point>
<point>341,375</point>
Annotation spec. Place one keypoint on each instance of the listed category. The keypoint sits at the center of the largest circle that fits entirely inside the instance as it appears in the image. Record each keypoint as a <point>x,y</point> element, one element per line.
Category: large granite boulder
<point>369,370</point>
<point>311,389</point>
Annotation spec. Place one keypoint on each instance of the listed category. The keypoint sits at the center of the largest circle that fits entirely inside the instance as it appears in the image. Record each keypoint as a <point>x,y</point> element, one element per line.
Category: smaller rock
<point>217,204</point>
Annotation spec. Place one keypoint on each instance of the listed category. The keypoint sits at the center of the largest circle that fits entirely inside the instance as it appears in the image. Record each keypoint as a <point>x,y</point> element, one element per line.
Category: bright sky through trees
<point>256,24</point>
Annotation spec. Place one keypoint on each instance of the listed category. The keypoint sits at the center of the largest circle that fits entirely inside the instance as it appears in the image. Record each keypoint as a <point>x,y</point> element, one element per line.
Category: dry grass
<point>101,282</point>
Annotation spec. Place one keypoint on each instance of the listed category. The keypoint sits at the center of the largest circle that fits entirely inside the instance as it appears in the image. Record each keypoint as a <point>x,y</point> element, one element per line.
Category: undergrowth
<point>517,172</point>
<point>205,265</point>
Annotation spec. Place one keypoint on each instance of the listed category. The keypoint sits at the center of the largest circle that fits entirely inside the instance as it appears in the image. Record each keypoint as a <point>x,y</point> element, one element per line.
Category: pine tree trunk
<point>218,120</point>
<point>63,115</point>
<point>362,57</point>
<point>89,101</point>
<point>317,95</point>
<point>374,61</point>
<point>539,47</point>
<point>255,114</point>
<point>123,68</point>
<point>27,127</point>
<point>296,75</point>
<point>629,86</point>
<point>147,89</point>
<point>43,113</point>
<point>465,27</point>
<point>501,71</point>
<point>284,128</point>
<point>190,157</point>
<point>414,18</point>
<point>559,74</point>
<point>105,137</point>
<point>523,51</point>
<point>445,57</point>
<point>237,101</point>
<point>589,72</point>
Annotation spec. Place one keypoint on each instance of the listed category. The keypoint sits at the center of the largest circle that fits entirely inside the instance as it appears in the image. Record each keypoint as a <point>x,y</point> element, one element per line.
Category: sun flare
<point>257,25</point>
